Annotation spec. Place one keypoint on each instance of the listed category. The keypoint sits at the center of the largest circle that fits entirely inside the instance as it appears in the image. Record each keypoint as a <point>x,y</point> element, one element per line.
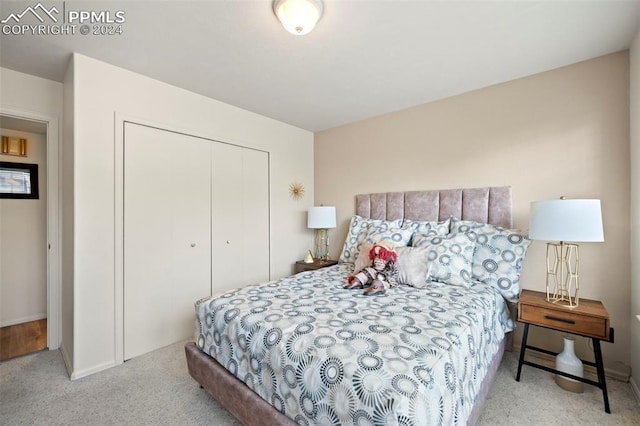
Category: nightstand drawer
<point>565,320</point>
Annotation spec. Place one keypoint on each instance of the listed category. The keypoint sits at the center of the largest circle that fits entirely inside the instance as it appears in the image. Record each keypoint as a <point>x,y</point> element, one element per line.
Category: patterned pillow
<point>357,233</point>
<point>498,256</point>
<point>432,229</point>
<point>413,266</point>
<point>389,231</point>
<point>450,257</point>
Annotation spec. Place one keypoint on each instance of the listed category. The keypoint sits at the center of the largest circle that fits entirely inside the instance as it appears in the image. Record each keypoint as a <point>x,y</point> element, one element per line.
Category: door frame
<point>54,299</point>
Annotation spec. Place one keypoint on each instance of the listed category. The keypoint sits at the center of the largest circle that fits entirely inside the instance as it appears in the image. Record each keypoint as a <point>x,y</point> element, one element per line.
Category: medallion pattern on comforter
<point>321,354</point>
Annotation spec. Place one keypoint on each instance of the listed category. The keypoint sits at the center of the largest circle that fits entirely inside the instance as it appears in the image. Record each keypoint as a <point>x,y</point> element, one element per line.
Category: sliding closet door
<point>226,218</point>
<point>239,217</point>
<point>167,235</point>
<point>255,202</point>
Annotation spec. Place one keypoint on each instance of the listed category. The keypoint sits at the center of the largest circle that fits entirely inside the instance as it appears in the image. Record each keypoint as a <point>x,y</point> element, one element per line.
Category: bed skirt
<point>251,410</point>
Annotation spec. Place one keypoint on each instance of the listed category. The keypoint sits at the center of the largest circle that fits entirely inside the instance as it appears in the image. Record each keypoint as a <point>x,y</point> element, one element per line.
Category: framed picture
<point>18,180</point>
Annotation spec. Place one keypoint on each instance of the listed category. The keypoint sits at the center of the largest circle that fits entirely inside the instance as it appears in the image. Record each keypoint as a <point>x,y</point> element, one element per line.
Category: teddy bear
<point>381,273</point>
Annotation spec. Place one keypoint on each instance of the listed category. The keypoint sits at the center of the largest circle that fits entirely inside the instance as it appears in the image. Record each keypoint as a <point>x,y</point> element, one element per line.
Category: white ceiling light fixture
<point>298,17</point>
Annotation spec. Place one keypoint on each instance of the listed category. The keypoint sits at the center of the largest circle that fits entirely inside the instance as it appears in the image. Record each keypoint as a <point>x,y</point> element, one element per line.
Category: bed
<point>303,350</point>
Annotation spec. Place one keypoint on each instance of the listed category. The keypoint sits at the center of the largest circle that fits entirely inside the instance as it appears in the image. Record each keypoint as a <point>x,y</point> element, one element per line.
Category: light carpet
<point>156,389</point>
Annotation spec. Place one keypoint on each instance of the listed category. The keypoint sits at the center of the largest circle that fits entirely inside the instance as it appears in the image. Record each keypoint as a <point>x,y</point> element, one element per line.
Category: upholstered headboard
<point>486,205</point>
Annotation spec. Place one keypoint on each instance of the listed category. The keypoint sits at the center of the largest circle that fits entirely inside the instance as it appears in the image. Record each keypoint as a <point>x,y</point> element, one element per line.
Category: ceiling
<point>364,58</point>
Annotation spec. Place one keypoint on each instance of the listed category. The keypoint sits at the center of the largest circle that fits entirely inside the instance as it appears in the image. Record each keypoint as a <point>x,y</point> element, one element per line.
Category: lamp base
<point>321,244</point>
<point>568,362</point>
<point>562,274</point>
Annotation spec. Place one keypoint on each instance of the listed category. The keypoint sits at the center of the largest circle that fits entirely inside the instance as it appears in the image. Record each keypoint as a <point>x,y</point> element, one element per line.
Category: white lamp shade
<point>566,220</point>
<point>298,16</point>
<point>322,217</point>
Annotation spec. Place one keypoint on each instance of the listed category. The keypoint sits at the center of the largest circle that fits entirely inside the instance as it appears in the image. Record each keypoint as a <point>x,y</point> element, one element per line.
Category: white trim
<point>54,300</point>
<point>29,318</point>
<point>89,371</point>
<point>67,361</point>
<point>118,214</point>
<point>635,389</point>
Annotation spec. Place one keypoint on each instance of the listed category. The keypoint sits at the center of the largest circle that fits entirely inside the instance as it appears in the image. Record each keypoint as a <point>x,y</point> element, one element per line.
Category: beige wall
<point>634,81</point>
<point>562,132</point>
<point>23,242</point>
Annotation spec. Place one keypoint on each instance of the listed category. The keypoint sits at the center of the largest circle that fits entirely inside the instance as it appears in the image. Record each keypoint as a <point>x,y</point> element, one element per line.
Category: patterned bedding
<point>324,355</point>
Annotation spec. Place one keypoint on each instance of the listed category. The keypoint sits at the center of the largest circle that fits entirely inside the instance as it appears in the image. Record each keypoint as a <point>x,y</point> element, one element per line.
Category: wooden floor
<point>22,339</point>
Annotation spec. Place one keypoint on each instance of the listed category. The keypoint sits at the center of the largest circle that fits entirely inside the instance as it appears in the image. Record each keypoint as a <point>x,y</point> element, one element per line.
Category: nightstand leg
<point>601,378</point>
<point>523,348</point>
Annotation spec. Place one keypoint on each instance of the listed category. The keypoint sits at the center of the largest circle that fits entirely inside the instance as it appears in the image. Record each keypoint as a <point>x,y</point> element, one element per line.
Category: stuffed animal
<point>382,273</point>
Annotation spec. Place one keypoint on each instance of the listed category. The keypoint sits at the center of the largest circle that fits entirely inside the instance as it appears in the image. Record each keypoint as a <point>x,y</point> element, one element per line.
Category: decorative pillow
<point>357,233</point>
<point>413,266</point>
<point>498,256</point>
<point>432,229</point>
<point>450,257</point>
<point>389,231</point>
<point>363,257</point>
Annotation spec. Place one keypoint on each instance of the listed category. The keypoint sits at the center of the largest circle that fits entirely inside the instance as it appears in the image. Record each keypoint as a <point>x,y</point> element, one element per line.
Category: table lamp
<point>565,220</point>
<point>320,219</point>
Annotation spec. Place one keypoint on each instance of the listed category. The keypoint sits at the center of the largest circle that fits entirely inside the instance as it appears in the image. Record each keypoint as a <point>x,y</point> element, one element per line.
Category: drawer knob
<point>564,320</point>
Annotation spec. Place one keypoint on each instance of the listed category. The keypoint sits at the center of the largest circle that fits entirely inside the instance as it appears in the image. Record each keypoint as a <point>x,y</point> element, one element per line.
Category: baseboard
<point>589,371</point>
<point>89,371</point>
<point>635,389</point>
<point>74,375</point>
<point>37,317</point>
<point>65,358</point>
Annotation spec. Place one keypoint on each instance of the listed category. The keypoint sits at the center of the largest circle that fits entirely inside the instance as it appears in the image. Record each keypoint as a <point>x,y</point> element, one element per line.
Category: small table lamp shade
<point>321,218</point>
<point>565,220</point>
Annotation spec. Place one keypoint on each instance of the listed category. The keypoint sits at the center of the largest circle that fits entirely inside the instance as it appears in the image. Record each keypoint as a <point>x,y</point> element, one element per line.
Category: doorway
<point>29,319</point>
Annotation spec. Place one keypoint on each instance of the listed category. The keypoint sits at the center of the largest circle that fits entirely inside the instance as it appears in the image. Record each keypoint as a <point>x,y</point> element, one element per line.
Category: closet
<point>196,223</point>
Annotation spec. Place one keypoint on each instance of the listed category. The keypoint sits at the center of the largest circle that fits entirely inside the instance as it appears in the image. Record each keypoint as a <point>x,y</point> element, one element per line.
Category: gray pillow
<point>413,266</point>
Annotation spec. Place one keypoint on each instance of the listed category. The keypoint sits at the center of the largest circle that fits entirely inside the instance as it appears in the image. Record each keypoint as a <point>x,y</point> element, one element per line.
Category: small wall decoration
<point>296,190</point>
<point>19,180</point>
<point>14,146</point>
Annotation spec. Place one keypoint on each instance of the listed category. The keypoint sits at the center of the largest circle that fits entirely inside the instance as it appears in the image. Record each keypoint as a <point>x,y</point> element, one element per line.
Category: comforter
<point>321,354</point>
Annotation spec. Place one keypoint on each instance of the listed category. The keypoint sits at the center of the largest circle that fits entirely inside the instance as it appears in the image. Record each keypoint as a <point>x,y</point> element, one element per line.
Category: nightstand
<point>301,266</point>
<point>589,319</point>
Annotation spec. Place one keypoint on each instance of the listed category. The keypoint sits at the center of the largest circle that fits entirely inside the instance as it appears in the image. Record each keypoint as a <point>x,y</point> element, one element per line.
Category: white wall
<point>35,98</point>
<point>23,241</point>
<point>103,95</point>
<point>634,116</point>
